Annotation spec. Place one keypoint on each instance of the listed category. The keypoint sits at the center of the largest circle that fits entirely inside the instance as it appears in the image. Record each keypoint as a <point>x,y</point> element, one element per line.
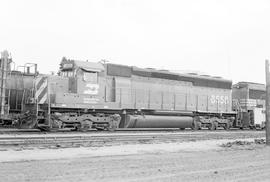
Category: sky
<point>228,38</point>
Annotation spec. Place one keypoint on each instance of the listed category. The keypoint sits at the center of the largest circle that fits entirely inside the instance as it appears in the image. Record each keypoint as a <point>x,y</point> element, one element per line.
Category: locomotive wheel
<point>213,125</point>
<point>199,125</point>
<point>196,125</point>
<point>111,129</point>
<point>114,123</point>
<point>85,125</point>
<point>227,126</point>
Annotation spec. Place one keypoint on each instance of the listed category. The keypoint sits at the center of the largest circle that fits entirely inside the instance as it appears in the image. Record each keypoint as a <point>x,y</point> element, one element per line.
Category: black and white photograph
<point>134,90</point>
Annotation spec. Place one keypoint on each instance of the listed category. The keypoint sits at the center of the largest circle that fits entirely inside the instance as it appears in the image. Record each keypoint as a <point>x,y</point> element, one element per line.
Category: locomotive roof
<point>197,80</point>
<point>250,85</point>
<point>128,71</point>
<point>85,65</point>
<point>89,66</point>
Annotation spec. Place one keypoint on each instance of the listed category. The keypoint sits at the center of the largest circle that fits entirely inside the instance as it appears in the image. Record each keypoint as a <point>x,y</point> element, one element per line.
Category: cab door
<point>88,87</point>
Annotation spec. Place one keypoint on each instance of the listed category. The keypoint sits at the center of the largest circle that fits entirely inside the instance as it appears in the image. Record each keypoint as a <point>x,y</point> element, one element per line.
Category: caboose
<point>101,95</point>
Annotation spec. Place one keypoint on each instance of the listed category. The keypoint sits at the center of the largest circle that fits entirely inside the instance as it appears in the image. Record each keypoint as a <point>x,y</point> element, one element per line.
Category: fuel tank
<point>152,121</point>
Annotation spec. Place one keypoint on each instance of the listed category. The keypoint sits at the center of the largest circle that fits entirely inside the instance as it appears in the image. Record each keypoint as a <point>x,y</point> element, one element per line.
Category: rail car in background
<point>249,99</point>
<point>108,96</point>
<point>16,89</point>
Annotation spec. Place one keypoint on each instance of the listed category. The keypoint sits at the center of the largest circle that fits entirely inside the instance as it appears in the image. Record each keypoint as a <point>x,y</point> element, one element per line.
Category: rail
<point>90,139</point>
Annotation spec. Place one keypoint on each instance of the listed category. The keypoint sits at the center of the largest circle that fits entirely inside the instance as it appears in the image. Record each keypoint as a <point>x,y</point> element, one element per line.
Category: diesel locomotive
<point>98,95</point>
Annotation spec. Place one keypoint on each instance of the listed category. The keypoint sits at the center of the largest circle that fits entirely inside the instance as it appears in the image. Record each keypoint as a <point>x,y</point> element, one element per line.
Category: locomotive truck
<point>105,96</point>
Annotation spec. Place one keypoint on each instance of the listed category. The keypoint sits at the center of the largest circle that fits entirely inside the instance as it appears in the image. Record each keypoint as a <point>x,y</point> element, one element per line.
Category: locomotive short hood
<point>84,65</point>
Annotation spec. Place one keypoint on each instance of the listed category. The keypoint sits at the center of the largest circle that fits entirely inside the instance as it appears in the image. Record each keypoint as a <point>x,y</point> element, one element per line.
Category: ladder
<point>4,71</point>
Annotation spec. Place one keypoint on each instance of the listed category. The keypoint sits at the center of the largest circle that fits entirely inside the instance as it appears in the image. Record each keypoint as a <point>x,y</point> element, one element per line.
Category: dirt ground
<point>186,161</point>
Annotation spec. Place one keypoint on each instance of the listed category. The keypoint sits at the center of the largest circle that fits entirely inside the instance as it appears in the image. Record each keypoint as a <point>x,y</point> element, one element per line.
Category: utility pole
<point>4,64</point>
<point>267,100</point>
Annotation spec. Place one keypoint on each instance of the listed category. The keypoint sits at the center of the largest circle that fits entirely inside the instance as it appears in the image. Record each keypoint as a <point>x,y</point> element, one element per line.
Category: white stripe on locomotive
<point>41,88</point>
<point>41,85</point>
<point>37,80</point>
<point>44,99</point>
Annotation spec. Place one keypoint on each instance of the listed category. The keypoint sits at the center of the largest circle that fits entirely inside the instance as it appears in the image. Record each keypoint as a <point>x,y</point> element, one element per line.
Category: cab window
<point>67,73</point>
<point>90,77</point>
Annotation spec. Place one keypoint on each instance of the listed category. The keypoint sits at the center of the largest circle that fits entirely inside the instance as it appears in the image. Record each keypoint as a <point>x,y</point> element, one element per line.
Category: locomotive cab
<point>77,94</point>
<point>83,80</point>
<point>88,72</point>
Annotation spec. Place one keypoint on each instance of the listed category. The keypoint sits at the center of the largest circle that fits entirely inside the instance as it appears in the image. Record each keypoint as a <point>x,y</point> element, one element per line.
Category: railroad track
<point>101,139</point>
<point>15,130</point>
